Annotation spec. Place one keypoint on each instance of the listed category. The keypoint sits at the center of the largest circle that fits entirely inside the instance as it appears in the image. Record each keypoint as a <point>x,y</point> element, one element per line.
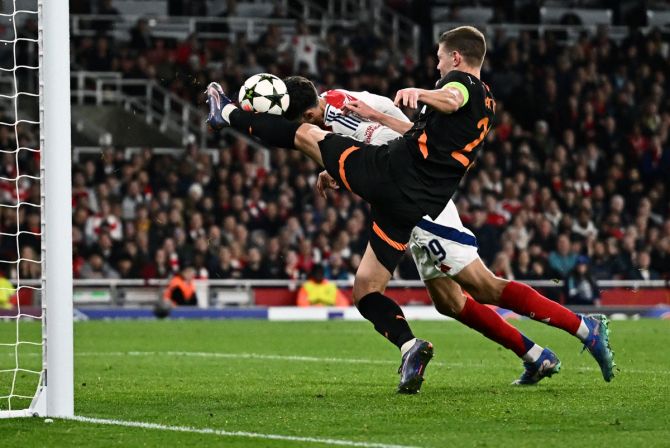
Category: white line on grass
<point>260,356</point>
<point>223,433</point>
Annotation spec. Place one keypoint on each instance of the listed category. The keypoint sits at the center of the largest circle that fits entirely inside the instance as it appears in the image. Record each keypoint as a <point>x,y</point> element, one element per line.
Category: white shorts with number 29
<point>442,247</point>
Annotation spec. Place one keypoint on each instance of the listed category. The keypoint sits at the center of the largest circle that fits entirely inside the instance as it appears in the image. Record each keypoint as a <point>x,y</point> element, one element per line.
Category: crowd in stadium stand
<point>577,167</point>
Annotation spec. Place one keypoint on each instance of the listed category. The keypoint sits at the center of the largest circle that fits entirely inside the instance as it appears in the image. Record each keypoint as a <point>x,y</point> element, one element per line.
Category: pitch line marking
<point>258,356</point>
<point>224,433</point>
<point>267,357</point>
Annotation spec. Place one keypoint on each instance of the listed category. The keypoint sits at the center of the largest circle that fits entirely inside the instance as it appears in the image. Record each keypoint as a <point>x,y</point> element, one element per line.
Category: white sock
<point>533,354</point>
<point>406,346</point>
<point>583,330</point>
<point>227,109</point>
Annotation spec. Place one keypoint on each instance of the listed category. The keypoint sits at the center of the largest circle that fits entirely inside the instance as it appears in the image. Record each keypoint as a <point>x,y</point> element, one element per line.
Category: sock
<point>386,316</point>
<point>533,354</point>
<point>583,330</point>
<point>406,346</point>
<point>271,129</point>
<point>489,323</point>
<point>524,300</point>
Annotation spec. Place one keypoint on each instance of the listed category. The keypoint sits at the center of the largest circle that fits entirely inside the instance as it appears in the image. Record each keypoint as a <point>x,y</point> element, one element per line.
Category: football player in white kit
<point>444,250</point>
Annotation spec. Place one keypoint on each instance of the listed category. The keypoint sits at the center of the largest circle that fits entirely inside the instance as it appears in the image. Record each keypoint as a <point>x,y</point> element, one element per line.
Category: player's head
<point>462,47</point>
<point>304,105</point>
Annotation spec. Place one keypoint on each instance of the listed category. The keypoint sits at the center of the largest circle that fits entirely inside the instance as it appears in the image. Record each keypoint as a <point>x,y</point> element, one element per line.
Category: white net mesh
<point>21,252</point>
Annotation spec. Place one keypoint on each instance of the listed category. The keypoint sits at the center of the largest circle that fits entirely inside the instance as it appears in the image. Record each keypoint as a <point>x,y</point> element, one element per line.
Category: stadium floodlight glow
<point>54,394</point>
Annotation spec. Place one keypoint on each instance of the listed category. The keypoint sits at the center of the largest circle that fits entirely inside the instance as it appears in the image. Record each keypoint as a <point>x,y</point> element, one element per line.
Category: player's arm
<point>447,100</point>
<point>361,109</point>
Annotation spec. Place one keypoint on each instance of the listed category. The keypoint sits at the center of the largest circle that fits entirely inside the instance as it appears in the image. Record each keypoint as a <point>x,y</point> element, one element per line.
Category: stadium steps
<point>90,123</point>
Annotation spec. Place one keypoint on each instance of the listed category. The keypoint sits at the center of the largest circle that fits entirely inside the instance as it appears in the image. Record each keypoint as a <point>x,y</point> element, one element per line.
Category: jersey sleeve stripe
<point>345,123</point>
<point>343,118</point>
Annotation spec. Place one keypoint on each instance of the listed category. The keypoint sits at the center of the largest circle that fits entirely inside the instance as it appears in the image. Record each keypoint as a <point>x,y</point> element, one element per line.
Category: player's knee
<point>364,285</point>
<point>447,296</point>
<point>307,134</point>
<point>307,139</point>
<point>448,307</point>
<point>488,290</point>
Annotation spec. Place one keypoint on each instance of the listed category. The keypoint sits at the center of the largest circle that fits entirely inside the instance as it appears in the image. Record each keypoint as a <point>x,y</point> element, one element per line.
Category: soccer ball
<point>264,93</point>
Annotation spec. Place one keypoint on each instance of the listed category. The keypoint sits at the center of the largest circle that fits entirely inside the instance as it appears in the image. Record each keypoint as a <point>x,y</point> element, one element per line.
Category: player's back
<point>351,124</point>
<point>433,156</point>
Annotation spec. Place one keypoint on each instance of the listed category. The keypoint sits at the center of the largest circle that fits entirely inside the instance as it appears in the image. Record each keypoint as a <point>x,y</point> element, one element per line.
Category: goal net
<point>35,211</point>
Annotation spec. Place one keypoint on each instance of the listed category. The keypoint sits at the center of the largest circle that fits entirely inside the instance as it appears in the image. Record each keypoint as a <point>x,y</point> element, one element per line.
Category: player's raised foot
<point>217,100</point>
<point>413,366</point>
<point>598,344</point>
<point>546,365</point>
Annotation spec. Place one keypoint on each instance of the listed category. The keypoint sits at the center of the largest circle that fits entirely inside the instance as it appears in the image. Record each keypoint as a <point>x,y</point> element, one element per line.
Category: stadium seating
<point>581,143</point>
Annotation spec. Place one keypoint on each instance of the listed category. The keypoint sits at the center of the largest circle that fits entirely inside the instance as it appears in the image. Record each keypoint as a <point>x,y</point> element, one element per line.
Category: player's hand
<point>407,97</point>
<point>361,109</point>
<point>324,182</point>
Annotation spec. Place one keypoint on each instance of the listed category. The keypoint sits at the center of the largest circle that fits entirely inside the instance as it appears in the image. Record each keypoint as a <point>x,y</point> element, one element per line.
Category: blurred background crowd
<point>576,170</point>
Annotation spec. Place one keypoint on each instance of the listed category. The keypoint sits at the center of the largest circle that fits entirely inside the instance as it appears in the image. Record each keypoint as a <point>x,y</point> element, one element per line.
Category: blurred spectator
<point>305,48</point>
<point>255,267</point>
<point>96,267</point>
<point>318,291</point>
<point>140,36</point>
<point>580,287</point>
<point>562,260</point>
<point>642,269</point>
<point>181,289</point>
<point>336,268</point>
<point>487,235</point>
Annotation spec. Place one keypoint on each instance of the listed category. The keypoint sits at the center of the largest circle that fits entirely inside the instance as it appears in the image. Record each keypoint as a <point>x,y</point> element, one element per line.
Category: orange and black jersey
<point>432,157</point>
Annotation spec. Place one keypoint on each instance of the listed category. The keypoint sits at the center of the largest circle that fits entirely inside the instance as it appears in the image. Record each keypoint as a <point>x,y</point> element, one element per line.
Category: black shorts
<point>364,170</point>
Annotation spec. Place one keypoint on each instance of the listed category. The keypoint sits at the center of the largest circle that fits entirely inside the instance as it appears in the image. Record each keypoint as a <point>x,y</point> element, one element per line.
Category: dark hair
<point>468,41</point>
<point>302,95</point>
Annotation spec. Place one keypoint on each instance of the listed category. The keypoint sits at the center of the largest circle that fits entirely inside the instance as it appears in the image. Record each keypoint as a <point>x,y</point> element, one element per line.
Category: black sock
<point>271,129</point>
<point>386,316</point>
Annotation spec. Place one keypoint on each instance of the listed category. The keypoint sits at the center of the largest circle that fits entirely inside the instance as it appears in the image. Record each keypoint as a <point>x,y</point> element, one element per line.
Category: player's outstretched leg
<point>538,362</point>
<point>524,300</point>
<point>271,129</point>
<point>449,300</point>
<point>593,330</point>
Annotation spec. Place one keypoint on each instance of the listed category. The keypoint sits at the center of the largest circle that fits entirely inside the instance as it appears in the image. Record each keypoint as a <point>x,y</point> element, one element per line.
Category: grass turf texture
<point>466,400</point>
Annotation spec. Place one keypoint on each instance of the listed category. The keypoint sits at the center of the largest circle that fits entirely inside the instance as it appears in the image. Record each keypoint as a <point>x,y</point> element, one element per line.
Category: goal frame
<point>55,393</point>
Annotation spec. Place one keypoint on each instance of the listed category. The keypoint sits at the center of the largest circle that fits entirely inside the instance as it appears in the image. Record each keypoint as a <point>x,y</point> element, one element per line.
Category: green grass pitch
<point>308,386</point>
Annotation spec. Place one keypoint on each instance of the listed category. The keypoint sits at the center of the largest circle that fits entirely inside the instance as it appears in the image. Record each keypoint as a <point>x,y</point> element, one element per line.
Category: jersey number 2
<point>459,155</point>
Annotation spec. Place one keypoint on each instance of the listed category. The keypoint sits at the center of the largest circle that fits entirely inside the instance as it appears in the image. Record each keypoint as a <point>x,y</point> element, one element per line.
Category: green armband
<point>461,88</point>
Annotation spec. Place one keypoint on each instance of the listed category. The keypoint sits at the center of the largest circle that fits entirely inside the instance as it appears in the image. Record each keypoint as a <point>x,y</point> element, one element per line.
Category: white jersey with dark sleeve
<point>354,126</point>
<point>440,247</point>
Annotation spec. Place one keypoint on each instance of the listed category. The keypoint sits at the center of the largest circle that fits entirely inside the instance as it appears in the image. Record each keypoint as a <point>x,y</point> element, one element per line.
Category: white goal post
<point>55,389</point>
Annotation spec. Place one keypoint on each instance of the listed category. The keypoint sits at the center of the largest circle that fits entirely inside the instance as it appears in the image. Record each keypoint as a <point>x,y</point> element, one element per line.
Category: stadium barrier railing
<point>629,297</point>
<point>156,104</point>
<point>173,27</point>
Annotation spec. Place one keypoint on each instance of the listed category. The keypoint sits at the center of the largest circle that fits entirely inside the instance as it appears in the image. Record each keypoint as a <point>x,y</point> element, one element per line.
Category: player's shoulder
<point>337,97</point>
<point>467,80</point>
